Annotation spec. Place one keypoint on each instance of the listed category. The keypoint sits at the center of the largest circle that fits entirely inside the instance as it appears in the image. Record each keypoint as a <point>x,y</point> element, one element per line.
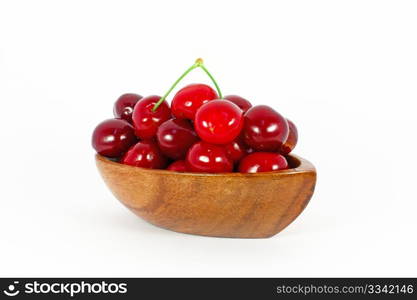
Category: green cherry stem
<point>212,79</point>
<point>198,64</point>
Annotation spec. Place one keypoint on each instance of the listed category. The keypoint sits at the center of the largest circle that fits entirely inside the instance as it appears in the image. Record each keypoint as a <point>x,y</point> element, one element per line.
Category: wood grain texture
<point>222,205</point>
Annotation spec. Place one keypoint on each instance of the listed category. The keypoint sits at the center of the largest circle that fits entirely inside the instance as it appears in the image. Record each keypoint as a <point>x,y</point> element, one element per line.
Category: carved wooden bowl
<point>223,205</point>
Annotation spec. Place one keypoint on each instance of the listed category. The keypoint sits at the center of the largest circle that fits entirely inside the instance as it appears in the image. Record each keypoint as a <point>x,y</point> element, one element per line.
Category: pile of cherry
<point>201,132</point>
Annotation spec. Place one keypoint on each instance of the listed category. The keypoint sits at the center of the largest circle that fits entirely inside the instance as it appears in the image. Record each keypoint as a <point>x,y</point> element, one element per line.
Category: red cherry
<point>145,154</point>
<point>189,99</point>
<point>175,136</point>
<point>262,162</point>
<point>123,107</point>
<point>239,101</point>
<point>113,137</point>
<point>209,158</point>
<point>265,129</point>
<point>145,120</point>
<point>218,122</point>
<point>178,166</point>
<point>292,139</point>
<point>236,150</point>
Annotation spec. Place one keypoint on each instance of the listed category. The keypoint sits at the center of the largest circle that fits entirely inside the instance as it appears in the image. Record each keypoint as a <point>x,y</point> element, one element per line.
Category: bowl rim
<point>304,166</point>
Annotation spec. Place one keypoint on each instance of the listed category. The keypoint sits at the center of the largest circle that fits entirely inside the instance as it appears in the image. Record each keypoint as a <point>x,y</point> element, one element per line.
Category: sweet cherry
<point>146,120</point>
<point>265,129</point>
<point>145,154</point>
<point>218,122</point>
<point>236,150</point>
<point>292,139</point>
<point>123,107</point>
<point>239,101</point>
<point>113,137</point>
<point>178,166</point>
<point>262,162</point>
<point>209,158</point>
<point>175,136</point>
<point>189,99</point>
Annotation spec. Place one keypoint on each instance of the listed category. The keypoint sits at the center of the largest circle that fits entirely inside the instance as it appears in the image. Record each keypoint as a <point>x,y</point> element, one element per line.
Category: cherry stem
<point>212,79</point>
<point>198,64</point>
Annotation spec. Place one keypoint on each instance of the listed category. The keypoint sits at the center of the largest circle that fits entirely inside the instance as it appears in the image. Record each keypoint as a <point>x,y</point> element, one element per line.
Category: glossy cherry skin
<point>262,162</point>
<point>236,150</point>
<point>113,137</point>
<point>123,107</point>
<point>208,158</point>
<point>265,129</point>
<point>292,139</point>
<point>146,121</point>
<point>178,166</point>
<point>175,137</point>
<point>145,154</point>
<point>190,98</point>
<point>239,101</point>
<point>218,122</point>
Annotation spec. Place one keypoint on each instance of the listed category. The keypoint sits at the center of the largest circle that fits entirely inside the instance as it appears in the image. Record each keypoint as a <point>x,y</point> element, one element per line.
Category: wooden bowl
<point>223,205</point>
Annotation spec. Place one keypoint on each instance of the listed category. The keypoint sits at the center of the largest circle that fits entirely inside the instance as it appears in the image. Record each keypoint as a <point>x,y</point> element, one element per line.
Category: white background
<point>344,71</point>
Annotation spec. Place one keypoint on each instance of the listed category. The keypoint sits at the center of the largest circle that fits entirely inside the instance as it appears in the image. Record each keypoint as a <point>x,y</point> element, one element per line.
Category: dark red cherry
<point>189,99</point>
<point>236,150</point>
<point>208,158</point>
<point>145,120</point>
<point>178,166</point>
<point>113,137</point>
<point>292,139</point>
<point>175,136</point>
<point>145,154</point>
<point>123,107</point>
<point>218,122</point>
<point>262,162</point>
<point>239,101</point>
<point>265,129</point>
